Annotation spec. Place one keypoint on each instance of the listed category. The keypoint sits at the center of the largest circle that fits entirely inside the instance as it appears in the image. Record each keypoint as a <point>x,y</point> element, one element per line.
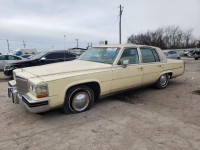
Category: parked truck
<point>25,51</point>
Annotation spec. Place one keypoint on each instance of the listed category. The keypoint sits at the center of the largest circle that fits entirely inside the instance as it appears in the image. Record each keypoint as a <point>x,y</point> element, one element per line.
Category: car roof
<point>124,45</point>
<point>169,51</point>
<point>54,51</point>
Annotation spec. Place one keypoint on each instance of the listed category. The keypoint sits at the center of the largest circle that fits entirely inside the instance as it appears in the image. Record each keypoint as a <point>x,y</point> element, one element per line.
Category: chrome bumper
<point>34,106</point>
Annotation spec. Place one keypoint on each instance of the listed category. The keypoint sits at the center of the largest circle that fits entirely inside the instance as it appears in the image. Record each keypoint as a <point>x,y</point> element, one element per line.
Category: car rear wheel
<point>162,81</point>
<point>196,58</point>
<point>78,99</point>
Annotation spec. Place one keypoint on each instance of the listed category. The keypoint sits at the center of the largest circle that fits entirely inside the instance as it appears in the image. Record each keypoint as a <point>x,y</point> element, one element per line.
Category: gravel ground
<point>146,118</point>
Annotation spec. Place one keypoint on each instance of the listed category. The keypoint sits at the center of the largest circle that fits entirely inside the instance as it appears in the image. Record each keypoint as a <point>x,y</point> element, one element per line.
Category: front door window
<point>131,55</point>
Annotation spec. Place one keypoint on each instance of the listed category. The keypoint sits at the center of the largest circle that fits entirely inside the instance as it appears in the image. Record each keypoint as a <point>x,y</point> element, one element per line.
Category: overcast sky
<point>43,23</point>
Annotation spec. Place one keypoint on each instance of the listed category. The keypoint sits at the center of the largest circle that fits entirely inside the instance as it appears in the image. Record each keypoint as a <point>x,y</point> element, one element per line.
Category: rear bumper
<point>34,106</point>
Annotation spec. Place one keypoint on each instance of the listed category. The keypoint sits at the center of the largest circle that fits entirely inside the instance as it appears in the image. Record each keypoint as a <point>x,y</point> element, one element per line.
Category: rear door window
<point>147,55</point>
<point>11,58</point>
<point>68,55</point>
<point>55,55</point>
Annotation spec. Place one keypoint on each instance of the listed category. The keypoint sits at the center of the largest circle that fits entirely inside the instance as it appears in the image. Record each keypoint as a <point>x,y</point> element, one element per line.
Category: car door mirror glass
<point>43,58</point>
<point>125,63</point>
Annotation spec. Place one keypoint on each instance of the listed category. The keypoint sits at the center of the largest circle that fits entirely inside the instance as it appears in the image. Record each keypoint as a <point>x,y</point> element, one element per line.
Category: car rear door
<point>152,67</point>
<point>69,56</point>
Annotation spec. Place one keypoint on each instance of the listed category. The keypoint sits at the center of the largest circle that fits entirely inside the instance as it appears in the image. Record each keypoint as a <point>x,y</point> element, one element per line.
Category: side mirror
<point>125,63</point>
<point>43,58</point>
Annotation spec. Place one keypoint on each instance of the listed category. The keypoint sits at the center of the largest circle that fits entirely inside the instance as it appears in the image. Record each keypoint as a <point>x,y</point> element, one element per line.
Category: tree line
<point>169,37</point>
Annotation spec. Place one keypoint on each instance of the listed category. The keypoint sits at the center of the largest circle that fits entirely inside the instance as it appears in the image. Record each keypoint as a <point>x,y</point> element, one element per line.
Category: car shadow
<point>132,96</point>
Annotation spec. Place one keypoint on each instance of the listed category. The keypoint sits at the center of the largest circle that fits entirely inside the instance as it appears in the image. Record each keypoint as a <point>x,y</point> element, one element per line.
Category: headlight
<point>39,91</point>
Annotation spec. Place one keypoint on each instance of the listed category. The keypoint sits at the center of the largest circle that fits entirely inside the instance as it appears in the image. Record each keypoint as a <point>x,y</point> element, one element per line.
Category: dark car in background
<point>197,55</point>
<point>41,58</point>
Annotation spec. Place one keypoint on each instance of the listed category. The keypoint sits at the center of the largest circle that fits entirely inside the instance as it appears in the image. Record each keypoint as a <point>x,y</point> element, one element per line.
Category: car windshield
<point>101,54</point>
<point>37,56</point>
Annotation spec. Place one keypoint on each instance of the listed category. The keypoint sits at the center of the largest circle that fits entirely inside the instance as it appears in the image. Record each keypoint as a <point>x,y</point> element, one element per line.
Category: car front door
<point>129,76</point>
<point>52,58</point>
<point>152,67</point>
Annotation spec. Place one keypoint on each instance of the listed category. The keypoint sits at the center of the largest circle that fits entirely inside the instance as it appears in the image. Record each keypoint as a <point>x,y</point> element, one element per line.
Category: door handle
<point>158,65</point>
<point>140,68</point>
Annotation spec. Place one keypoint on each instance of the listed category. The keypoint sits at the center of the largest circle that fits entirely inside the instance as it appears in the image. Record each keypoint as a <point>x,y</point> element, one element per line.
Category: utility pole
<point>24,44</point>
<point>88,45</point>
<point>64,41</point>
<point>8,46</point>
<point>77,43</point>
<point>120,24</point>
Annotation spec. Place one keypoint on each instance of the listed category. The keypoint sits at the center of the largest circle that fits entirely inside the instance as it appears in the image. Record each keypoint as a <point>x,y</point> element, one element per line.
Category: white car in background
<point>4,59</point>
<point>172,54</point>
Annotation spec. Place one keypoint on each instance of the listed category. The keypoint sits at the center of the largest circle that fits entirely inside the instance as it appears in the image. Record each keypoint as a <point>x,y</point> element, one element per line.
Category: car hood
<point>64,67</point>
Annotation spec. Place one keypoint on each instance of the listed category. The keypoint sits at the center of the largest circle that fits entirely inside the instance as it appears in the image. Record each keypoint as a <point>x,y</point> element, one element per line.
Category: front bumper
<point>8,72</point>
<point>34,106</point>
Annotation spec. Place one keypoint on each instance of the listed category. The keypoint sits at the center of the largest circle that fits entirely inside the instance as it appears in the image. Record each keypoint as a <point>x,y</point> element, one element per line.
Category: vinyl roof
<point>124,45</point>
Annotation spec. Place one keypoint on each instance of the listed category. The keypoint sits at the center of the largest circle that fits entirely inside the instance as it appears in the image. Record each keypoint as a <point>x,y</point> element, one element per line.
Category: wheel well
<point>93,85</point>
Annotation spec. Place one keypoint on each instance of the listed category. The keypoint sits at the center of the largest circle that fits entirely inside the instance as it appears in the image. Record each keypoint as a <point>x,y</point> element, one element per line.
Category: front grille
<point>22,85</point>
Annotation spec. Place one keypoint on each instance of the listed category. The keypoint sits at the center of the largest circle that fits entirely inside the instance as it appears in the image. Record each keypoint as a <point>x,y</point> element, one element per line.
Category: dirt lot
<point>146,118</point>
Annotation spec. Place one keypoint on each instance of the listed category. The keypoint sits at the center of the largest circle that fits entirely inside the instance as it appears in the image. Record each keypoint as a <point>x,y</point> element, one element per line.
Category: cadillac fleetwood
<point>100,71</point>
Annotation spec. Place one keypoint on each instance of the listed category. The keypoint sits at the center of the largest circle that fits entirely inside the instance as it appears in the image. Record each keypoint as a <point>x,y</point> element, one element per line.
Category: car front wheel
<point>162,81</point>
<point>78,99</point>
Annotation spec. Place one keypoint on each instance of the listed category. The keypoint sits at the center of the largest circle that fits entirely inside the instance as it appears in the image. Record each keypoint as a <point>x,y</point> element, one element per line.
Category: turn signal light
<point>41,96</point>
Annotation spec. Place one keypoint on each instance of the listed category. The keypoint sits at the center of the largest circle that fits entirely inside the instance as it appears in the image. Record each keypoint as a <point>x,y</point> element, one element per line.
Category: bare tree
<point>165,38</point>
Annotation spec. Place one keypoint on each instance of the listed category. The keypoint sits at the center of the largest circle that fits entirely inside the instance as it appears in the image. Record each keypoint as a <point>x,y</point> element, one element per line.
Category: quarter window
<point>156,55</point>
<point>149,55</point>
<point>17,58</point>
<point>130,54</point>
